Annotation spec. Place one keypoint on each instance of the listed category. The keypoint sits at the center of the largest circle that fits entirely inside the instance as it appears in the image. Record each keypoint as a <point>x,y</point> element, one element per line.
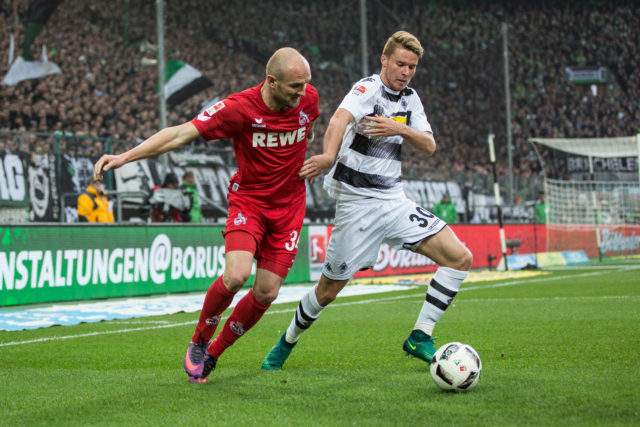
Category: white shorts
<point>361,226</point>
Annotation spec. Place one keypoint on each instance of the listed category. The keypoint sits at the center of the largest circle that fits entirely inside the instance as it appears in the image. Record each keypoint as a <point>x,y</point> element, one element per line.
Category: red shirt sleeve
<point>223,119</point>
<point>313,94</point>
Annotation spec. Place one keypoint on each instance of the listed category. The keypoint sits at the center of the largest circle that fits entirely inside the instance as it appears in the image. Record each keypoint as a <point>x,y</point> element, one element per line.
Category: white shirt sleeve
<point>419,120</point>
<point>358,100</point>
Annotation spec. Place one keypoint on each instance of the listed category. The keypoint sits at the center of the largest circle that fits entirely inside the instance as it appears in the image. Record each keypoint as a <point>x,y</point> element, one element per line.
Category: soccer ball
<point>456,366</point>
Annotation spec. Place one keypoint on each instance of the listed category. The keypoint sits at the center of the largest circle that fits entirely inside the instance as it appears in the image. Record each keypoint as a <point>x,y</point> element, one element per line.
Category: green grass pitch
<point>562,348</point>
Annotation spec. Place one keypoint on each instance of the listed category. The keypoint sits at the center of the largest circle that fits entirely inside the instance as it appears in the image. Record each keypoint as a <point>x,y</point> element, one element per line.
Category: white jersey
<point>371,166</point>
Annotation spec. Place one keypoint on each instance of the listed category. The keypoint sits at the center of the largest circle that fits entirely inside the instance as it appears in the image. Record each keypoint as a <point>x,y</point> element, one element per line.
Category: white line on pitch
<point>529,299</point>
<point>338,304</point>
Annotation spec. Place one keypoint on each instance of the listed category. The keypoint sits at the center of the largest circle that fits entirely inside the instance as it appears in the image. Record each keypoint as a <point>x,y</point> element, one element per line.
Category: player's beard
<point>294,102</point>
<point>286,101</point>
<point>290,103</point>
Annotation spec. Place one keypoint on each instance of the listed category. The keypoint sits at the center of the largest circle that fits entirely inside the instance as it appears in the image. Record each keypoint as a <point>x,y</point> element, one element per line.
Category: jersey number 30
<point>423,218</point>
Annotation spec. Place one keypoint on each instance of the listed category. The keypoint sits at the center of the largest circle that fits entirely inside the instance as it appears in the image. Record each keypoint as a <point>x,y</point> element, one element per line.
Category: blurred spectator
<point>446,210</point>
<point>11,146</point>
<point>540,211</point>
<point>168,203</point>
<point>93,205</point>
<point>189,186</point>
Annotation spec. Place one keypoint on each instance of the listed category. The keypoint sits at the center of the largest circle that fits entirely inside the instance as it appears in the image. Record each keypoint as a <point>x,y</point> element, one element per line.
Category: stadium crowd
<point>104,89</point>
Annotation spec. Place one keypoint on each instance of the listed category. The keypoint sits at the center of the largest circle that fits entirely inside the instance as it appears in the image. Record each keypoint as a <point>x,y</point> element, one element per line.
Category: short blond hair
<point>405,40</point>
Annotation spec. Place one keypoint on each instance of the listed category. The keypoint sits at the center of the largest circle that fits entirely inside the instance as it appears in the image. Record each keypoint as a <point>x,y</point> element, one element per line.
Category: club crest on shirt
<point>303,119</point>
<point>240,219</point>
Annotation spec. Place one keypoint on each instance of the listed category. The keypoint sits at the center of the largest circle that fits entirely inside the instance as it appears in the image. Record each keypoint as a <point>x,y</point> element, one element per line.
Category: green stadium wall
<point>54,262</point>
<point>50,263</point>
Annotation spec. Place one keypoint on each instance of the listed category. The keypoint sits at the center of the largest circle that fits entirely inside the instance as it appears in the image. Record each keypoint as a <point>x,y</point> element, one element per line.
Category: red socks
<point>244,316</point>
<point>216,301</point>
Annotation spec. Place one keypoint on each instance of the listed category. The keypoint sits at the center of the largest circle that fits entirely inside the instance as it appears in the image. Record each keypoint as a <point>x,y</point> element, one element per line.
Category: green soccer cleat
<point>278,355</point>
<point>419,345</point>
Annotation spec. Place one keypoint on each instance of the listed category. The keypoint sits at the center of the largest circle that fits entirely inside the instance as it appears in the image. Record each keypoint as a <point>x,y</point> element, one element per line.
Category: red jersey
<point>270,146</point>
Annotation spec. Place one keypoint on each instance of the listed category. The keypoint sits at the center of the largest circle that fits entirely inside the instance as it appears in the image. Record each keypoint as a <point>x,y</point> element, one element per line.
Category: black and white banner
<point>47,184</point>
<point>13,179</point>
<point>43,188</point>
<point>140,177</point>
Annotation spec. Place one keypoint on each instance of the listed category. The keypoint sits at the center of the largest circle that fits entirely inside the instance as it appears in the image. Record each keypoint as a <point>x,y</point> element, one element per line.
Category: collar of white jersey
<point>387,89</point>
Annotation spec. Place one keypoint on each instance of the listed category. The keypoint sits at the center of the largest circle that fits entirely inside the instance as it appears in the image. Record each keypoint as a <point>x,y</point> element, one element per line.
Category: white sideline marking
<point>122,331</point>
<point>136,309</point>
<point>142,322</point>
<point>92,334</point>
<point>580,298</point>
<point>338,304</point>
<point>542,279</point>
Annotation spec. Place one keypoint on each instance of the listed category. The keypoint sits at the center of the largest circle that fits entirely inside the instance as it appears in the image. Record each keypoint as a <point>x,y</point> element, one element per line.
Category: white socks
<point>443,288</point>
<point>307,312</point>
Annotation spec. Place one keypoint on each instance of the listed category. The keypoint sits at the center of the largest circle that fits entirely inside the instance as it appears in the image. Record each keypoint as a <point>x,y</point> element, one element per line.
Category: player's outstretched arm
<point>384,126</point>
<point>314,165</point>
<point>167,139</point>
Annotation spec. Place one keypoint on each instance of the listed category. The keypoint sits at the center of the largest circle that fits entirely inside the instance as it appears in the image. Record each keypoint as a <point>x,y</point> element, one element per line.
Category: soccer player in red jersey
<point>269,125</point>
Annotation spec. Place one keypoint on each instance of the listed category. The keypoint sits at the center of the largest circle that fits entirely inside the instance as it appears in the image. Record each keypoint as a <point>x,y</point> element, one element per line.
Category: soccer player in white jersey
<point>375,118</point>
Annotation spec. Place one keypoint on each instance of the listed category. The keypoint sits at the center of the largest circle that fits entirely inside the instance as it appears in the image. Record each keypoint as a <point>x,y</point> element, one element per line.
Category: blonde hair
<point>405,40</point>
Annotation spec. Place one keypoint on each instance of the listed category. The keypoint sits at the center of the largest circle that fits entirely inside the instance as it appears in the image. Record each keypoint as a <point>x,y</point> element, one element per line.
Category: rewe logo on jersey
<point>278,139</point>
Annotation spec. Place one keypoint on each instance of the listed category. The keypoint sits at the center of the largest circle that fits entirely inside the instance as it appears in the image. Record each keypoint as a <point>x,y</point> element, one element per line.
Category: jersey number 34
<point>292,244</point>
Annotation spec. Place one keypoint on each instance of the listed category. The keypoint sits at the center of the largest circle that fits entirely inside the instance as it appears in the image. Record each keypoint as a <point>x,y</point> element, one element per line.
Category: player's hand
<point>105,163</point>
<point>382,126</point>
<point>314,165</point>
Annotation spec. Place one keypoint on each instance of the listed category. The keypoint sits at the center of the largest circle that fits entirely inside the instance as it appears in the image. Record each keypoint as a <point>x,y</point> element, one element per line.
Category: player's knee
<point>265,297</point>
<point>327,297</point>
<point>465,261</point>
<point>458,260</point>
<point>328,290</point>
<point>234,280</point>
